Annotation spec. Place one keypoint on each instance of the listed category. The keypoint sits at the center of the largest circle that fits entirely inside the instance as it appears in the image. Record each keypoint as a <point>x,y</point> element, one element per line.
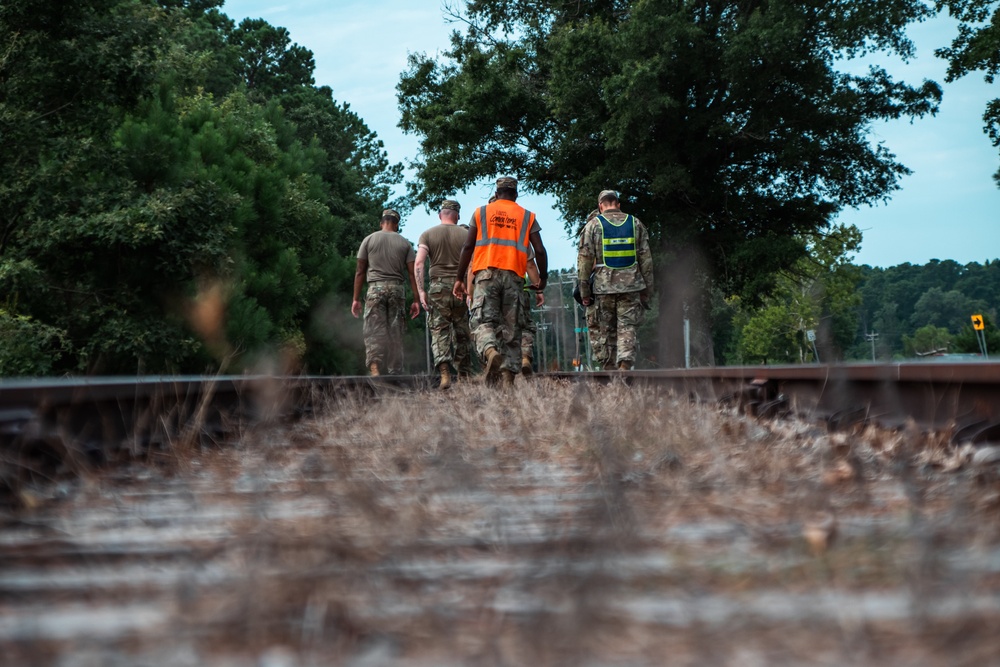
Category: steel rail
<point>961,398</point>
<point>134,412</point>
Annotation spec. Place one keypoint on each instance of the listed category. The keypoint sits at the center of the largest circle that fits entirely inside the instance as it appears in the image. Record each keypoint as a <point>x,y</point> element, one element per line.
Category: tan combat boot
<point>493,361</point>
<point>506,378</point>
<point>526,368</point>
<point>373,370</point>
<point>624,365</point>
<point>445,374</point>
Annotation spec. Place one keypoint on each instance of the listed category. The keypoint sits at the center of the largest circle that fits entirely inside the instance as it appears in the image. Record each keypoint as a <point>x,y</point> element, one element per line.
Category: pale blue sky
<point>949,208</point>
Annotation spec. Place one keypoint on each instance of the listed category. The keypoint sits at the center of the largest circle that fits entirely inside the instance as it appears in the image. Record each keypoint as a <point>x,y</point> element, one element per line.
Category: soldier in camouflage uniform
<point>497,251</point>
<point>614,246</point>
<point>528,328</point>
<point>448,317</point>
<point>385,262</point>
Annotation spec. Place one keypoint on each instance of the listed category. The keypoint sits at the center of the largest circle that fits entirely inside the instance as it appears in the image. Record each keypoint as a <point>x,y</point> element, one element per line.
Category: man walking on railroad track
<point>385,262</point>
<point>497,250</point>
<point>528,328</point>
<point>448,317</point>
<point>614,250</point>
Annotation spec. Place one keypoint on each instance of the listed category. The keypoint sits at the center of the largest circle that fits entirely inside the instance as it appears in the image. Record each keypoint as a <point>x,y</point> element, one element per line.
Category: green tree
<point>726,126</point>
<point>976,48</point>
<point>967,340</point>
<point>141,181</point>
<point>945,309</point>
<point>268,62</point>
<point>927,340</point>
<point>354,166</point>
<point>818,294</point>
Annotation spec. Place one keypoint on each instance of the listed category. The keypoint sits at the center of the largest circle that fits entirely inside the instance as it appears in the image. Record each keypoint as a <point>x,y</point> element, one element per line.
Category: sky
<point>948,208</point>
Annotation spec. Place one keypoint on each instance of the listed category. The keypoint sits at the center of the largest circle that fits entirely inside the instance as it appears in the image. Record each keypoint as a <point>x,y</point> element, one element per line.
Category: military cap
<point>389,213</point>
<point>506,182</point>
<point>451,205</point>
<point>593,214</point>
<point>607,194</point>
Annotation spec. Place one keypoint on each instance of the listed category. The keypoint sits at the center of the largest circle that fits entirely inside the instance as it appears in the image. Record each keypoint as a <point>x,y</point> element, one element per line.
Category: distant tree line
<point>175,193</point>
<point>907,311</point>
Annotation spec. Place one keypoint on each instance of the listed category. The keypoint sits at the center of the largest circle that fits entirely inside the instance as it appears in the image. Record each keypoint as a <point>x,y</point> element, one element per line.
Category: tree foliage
<point>927,340</point>
<point>897,301</point>
<point>726,126</point>
<point>819,294</point>
<point>976,48</point>
<point>161,208</point>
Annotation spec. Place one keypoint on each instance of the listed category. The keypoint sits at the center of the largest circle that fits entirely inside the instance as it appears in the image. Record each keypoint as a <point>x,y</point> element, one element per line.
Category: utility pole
<point>542,327</point>
<point>687,338</point>
<point>871,337</point>
<point>576,335</point>
<point>561,327</point>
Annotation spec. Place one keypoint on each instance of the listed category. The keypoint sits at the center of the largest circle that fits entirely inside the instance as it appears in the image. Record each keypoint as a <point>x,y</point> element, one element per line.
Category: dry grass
<point>576,524</point>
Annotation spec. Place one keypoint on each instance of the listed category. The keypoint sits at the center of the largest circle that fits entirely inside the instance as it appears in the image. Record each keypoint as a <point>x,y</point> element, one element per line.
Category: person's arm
<point>418,270</point>
<point>415,306</point>
<point>459,291</point>
<point>645,262</point>
<point>532,272</point>
<point>585,266</point>
<point>541,259</point>
<point>533,280</point>
<point>359,279</point>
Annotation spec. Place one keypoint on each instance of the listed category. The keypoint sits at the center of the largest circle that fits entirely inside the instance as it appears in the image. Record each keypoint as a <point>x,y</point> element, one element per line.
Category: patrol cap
<point>607,194</point>
<point>506,182</point>
<point>389,213</point>
<point>593,214</point>
<point>451,205</point>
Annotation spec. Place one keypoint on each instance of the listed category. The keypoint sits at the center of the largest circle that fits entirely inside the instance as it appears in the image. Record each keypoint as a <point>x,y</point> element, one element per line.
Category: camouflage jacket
<point>590,259</point>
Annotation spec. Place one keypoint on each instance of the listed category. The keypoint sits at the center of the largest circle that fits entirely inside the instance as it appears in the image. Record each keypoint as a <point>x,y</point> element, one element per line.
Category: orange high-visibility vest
<point>502,230</point>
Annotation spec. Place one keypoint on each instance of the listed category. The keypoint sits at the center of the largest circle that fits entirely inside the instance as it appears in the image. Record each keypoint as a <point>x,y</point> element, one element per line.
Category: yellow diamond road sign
<point>977,322</point>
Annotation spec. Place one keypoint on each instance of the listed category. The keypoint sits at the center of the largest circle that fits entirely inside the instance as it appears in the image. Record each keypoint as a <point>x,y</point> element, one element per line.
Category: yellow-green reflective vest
<point>618,242</point>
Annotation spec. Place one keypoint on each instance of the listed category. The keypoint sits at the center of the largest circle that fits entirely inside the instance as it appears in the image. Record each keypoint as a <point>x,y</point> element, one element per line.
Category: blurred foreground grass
<point>561,524</point>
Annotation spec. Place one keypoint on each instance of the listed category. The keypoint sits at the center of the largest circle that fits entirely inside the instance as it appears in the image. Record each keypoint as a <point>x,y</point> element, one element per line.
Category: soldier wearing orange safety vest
<point>496,248</point>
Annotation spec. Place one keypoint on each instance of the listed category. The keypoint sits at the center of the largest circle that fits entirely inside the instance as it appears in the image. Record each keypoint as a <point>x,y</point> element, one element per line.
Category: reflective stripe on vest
<point>502,247</point>
<point>618,242</point>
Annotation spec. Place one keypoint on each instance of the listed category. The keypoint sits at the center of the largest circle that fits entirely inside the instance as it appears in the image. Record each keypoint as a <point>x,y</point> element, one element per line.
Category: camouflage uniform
<point>386,258</point>
<point>448,320</point>
<point>496,315</point>
<point>527,323</point>
<point>447,317</point>
<point>385,322</point>
<point>617,309</point>
<point>496,310</point>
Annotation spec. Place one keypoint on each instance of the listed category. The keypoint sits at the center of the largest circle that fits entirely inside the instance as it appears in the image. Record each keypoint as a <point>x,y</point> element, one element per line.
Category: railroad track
<point>92,414</point>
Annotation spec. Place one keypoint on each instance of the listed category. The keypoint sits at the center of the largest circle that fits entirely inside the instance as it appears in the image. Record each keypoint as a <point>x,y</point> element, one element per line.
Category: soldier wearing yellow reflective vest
<point>614,248</point>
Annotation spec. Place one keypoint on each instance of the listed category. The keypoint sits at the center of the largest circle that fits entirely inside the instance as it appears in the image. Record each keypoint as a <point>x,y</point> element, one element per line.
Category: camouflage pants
<point>612,321</point>
<point>496,315</point>
<point>385,322</point>
<point>448,321</point>
<point>528,328</point>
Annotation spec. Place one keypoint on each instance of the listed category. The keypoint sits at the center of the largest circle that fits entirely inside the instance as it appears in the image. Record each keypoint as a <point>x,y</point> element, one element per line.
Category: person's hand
<point>356,308</point>
<point>539,299</point>
<point>414,310</point>
<point>458,291</point>
<point>644,299</point>
<point>423,301</point>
